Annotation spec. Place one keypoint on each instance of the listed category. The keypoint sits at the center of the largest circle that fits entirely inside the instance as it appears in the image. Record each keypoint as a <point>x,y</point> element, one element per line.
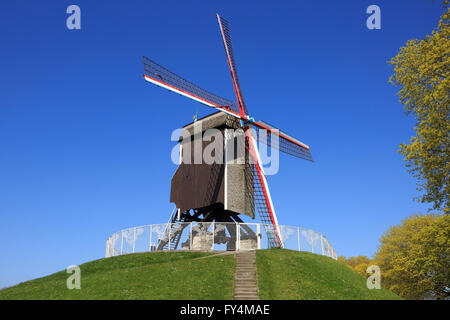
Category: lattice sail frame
<point>228,44</point>
<point>262,201</point>
<point>283,141</point>
<point>165,78</point>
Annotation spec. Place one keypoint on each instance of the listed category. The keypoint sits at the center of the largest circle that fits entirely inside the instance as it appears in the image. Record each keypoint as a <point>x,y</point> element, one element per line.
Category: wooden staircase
<point>245,277</point>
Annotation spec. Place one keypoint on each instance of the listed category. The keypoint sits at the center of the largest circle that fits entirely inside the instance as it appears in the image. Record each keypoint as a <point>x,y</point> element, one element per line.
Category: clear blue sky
<point>85,141</point>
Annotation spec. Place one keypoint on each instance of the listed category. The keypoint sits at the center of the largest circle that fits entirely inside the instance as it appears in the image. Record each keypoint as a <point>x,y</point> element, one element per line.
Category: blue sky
<point>85,141</point>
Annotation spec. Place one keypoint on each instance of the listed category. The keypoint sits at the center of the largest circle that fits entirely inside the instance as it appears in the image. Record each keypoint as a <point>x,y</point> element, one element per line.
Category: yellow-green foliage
<point>421,70</point>
<point>414,257</point>
<point>358,264</point>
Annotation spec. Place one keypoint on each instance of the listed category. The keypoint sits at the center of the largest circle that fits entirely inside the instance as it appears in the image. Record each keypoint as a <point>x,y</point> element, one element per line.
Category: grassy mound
<point>293,275</point>
<point>155,275</point>
<point>282,274</point>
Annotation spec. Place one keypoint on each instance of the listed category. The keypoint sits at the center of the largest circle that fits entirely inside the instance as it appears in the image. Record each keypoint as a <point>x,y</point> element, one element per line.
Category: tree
<point>421,70</point>
<point>414,257</point>
<point>358,264</point>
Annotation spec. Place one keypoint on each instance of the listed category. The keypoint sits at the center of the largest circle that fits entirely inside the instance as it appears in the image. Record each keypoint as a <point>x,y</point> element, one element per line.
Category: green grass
<point>156,275</point>
<point>282,275</point>
<point>292,275</point>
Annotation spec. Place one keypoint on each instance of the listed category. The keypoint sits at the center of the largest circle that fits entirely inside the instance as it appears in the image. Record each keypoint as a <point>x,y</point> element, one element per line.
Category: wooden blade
<point>226,37</point>
<point>162,77</point>
<point>282,141</point>
<point>261,195</point>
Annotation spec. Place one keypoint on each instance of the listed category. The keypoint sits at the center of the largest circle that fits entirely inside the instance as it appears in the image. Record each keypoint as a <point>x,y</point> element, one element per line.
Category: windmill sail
<point>162,77</point>
<point>228,44</point>
<point>261,195</point>
<point>282,141</point>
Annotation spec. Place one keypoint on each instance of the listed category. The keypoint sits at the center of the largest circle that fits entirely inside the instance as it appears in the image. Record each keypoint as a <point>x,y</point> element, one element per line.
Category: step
<point>243,269</point>
<point>240,279</point>
<point>245,289</point>
<point>246,293</point>
<point>245,275</point>
<point>245,297</point>
<point>244,265</point>
<point>245,284</point>
<point>245,280</point>
<point>247,266</point>
<point>253,287</point>
<point>239,270</point>
<point>249,284</point>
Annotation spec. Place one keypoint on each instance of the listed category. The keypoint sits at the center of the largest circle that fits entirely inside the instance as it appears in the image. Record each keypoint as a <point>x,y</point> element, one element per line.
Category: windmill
<point>221,192</point>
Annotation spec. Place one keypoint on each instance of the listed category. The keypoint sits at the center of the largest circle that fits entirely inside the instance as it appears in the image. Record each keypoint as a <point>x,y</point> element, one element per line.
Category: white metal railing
<point>213,236</point>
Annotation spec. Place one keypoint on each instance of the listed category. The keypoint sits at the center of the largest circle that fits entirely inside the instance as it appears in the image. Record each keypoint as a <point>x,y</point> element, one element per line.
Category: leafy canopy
<point>358,264</point>
<point>414,257</point>
<point>421,70</point>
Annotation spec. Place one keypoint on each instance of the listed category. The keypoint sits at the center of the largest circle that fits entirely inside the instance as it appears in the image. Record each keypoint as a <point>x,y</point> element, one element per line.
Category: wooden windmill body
<point>220,191</point>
